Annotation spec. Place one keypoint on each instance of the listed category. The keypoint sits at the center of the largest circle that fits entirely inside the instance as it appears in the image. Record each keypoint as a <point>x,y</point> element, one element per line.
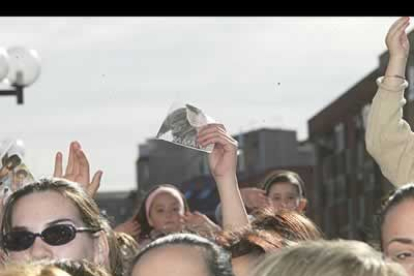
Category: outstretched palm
<point>77,169</point>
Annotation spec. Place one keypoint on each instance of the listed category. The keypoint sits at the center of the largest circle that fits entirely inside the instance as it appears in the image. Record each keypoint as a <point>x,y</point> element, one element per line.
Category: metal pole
<point>17,91</point>
<point>19,94</point>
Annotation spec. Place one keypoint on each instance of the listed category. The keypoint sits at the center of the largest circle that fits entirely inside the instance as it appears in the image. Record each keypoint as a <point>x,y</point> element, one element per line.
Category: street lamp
<point>19,68</point>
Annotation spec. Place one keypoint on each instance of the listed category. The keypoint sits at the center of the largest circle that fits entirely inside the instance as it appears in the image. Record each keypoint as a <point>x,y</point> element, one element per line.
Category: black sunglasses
<point>54,235</point>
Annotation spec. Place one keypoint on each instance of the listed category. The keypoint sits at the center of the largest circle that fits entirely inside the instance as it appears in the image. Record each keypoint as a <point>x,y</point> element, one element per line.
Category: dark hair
<point>218,260</point>
<point>87,207</point>
<point>396,197</point>
<point>280,176</point>
<point>141,216</point>
<point>291,225</point>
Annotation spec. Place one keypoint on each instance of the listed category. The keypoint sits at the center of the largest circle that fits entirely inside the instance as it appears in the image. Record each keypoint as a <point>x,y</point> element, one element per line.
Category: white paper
<point>182,124</point>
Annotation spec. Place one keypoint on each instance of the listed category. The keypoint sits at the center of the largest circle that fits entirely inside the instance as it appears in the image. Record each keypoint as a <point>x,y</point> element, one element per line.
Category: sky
<point>108,82</point>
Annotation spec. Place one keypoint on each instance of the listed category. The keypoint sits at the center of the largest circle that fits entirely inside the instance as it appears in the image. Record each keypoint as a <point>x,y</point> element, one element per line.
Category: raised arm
<point>223,164</point>
<point>389,138</point>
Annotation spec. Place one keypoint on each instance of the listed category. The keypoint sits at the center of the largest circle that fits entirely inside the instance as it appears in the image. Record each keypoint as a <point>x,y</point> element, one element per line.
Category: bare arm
<point>223,162</point>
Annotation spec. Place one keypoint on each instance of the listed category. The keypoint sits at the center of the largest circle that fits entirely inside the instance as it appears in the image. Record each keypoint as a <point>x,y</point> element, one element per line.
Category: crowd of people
<point>53,226</point>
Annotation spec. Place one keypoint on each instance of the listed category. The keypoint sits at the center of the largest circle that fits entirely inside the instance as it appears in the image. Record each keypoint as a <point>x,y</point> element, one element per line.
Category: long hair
<point>141,216</point>
<point>31,269</point>
<point>62,267</point>
<point>87,207</point>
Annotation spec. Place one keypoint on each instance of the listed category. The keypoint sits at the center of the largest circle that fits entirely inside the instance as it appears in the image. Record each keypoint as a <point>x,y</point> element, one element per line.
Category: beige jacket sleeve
<point>389,138</point>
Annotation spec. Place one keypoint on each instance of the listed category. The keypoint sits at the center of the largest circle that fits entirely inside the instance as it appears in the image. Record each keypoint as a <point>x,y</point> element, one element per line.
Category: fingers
<point>58,171</point>
<point>210,128</point>
<point>82,166</point>
<point>401,28</point>
<point>187,216</point>
<point>215,133</point>
<point>95,184</point>
<point>192,218</point>
<point>216,136</point>
<point>398,27</point>
<point>397,24</point>
<point>76,166</point>
<point>263,201</point>
<point>135,232</point>
<point>71,158</point>
<point>197,213</point>
<point>134,227</point>
<point>131,227</point>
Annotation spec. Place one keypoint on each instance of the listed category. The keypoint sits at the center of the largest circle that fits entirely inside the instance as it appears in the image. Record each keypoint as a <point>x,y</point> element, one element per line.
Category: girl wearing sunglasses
<point>56,219</point>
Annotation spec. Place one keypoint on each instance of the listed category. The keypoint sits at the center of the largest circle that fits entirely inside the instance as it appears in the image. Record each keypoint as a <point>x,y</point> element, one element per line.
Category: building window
<point>339,137</point>
<point>360,153</point>
<point>327,220</point>
<point>330,191</point>
<point>361,209</point>
<point>369,182</point>
<point>350,165</point>
<point>144,177</point>
<point>341,188</point>
<point>326,168</point>
<point>350,218</point>
<point>122,211</point>
<point>205,170</point>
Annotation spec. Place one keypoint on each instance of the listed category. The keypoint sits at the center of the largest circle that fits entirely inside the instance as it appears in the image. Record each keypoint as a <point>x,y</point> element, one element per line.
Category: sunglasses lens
<point>59,234</point>
<point>18,240</point>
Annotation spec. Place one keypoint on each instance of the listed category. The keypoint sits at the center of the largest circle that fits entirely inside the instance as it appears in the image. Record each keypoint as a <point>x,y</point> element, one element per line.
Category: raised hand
<point>223,165</point>
<point>199,223</point>
<point>396,40</point>
<point>254,198</point>
<point>131,227</point>
<point>77,169</point>
<point>223,158</point>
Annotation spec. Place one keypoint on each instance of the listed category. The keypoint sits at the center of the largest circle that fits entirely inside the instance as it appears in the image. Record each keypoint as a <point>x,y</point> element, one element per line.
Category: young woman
<point>389,138</point>
<point>56,219</point>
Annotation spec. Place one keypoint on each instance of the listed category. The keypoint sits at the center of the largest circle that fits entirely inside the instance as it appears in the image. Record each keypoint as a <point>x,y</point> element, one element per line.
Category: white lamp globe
<point>24,66</point>
<point>4,64</point>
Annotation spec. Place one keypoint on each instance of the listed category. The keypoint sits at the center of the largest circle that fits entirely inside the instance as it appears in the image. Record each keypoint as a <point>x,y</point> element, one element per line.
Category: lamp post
<point>19,68</point>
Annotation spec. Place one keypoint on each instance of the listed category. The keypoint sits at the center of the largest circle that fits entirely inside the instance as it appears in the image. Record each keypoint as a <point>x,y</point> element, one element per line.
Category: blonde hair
<point>64,267</point>
<point>328,258</point>
<point>31,269</point>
